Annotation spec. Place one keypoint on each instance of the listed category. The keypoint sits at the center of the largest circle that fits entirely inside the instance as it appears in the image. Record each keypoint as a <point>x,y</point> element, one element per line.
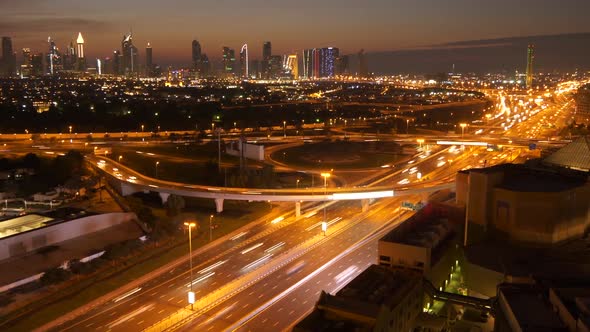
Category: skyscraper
<point>149,66</point>
<point>130,63</point>
<point>342,65</point>
<point>81,60</point>
<point>117,63</point>
<point>229,60</point>
<point>529,65</point>
<point>26,69</point>
<point>291,65</point>
<point>54,59</point>
<point>69,58</point>
<point>266,54</point>
<point>197,52</point>
<point>328,61</point>
<point>37,63</point>
<point>363,68</point>
<point>8,63</point>
<point>244,61</point>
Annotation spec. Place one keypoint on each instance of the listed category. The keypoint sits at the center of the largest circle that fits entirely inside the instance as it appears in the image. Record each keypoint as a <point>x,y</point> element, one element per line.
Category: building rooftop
<point>575,155</point>
<point>22,224</point>
<point>519,177</point>
<point>425,233</point>
<point>361,298</point>
<point>531,310</point>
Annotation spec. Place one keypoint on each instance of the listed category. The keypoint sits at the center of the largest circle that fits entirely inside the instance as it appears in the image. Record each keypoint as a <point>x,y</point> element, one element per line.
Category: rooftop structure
<point>575,155</point>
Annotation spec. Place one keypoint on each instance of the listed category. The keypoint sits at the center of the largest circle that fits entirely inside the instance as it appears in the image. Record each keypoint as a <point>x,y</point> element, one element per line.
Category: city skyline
<point>291,27</point>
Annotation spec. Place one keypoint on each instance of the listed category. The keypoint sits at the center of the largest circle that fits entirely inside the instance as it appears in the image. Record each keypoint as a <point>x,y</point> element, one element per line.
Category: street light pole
<point>462,125</point>
<point>191,294</point>
<point>407,126</point>
<point>210,228</point>
<point>157,163</point>
<point>219,148</point>
<point>325,175</point>
<point>297,184</point>
<point>284,129</point>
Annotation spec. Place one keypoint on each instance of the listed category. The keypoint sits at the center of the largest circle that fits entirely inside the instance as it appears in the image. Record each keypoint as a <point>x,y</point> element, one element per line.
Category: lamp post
<point>297,184</point>
<point>407,126</point>
<point>210,228</point>
<point>345,128</point>
<point>120,157</point>
<point>420,141</point>
<point>325,175</point>
<point>284,129</point>
<point>462,125</point>
<point>191,294</point>
<point>142,126</point>
<point>70,133</point>
<point>157,163</point>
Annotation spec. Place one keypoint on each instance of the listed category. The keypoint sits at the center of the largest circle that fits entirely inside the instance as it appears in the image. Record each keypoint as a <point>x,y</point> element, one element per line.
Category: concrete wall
<point>251,151</point>
<point>35,239</point>
<point>404,256</point>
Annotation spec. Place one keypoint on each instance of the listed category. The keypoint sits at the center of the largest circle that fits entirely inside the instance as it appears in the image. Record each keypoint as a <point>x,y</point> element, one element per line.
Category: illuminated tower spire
<point>529,65</point>
<point>80,42</point>
<point>244,61</point>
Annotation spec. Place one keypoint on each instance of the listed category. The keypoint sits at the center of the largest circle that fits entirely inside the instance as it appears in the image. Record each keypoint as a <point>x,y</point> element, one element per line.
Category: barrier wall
<point>42,237</point>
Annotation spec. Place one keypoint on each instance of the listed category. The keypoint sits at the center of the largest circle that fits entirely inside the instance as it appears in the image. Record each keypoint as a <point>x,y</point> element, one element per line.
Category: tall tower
<point>363,68</point>
<point>266,54</point>
<point>229,60</point>
<point>80,52</point>
<point>196,54</point>
<point>148,60</point>
<point>291,65</point>
<point>244,61</point>
<point>130,59</point>
<point>8,64</point>
<point>530,57</point>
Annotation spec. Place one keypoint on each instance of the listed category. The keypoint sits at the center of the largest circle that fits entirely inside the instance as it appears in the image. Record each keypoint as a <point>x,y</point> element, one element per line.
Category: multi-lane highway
<point>267,277</point>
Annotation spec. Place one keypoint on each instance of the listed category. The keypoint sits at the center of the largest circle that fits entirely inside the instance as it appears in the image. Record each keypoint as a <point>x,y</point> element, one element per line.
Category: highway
<point>269,276</point>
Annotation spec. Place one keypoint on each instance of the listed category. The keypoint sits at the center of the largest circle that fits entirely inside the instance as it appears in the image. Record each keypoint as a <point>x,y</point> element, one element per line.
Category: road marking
<point>180,301</point>
<point>140,322</point>
<point>293,300</point>
<point>113,313</point>
<point>259,296</point>
<point>161,296</point>
<point>170,299</point>
<point>89,325</point>
<point>275,324</point>
<point>154,293</point>
<point>280,309</point>
<point>291,312</point>
<point>161,311</point>
<point>264,321</point>
<point>304,302</point>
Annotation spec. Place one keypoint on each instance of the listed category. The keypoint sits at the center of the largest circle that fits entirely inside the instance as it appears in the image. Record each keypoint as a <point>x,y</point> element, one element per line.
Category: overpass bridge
<point>128,181</point>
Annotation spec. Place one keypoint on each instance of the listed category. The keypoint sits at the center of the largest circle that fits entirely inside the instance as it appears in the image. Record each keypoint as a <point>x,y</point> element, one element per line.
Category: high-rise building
<point>328,61</point>
<point>307,63</point>
<point>117,66</point>
<point>54,59</point>
<point>244,61</point>
<point>265,64</point>
<point>255,69</point>
<point>342,65</point>
<point>26,69</point>
<point>149,65</point>
<point>205,65</point>
<point>130,63</point>
<point>37,63</point>
<point>275,66</point>
<point>229,61</point>
<point>363,68</point>
<point>8,62</point>
<point>81,60</point>
<point>291,65</point>
<point>530,57</point>
<point>196,55</point>
<point>69,57</point>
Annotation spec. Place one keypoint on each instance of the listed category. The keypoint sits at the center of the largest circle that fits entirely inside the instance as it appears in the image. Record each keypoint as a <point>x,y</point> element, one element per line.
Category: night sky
<point>351,25</point>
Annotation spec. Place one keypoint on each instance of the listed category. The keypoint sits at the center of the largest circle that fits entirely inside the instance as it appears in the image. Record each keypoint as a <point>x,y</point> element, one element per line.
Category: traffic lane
<point>174,293</point>
<point>261,292</point>
<point>286,312</point>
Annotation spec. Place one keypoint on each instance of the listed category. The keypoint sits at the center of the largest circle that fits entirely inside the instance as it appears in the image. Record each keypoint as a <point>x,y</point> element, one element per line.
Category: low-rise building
<point>379,299</point>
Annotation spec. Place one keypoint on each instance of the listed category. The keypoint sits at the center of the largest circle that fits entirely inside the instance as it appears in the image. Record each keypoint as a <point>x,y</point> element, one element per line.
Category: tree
<point>174,205</point>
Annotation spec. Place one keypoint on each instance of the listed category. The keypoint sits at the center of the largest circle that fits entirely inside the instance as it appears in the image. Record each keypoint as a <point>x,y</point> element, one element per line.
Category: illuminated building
<point>197,57</point>
<point>291,65</point>
<point>244,61</point>
<point>320,62</point>
<point>582,114</point>
<point>116,63</point>
<point>275,66</point>
<point>530,57</point>
<point>8,63</point>
<point>80,53</point>
<point>342,65</point>
<point>54,59</point>
<point>229,61</point>
<point>148,61</point>
<point>69,57</point>
<point>130,63</point>
<point>26,69</point>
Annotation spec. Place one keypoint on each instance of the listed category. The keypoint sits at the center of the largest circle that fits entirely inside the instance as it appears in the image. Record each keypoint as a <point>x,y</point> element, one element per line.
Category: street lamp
<point>191,294</point>
<point>284,129</point>
<point>325,175</point>
<point>120,157</point>
<point>142,126</point>
<point>157,163</point>
<point>407,126</point>
<point>462,125</point>
<point>420,141</point>
<point>210,228</point>
<point>70,134</point>
<point>297,184</point>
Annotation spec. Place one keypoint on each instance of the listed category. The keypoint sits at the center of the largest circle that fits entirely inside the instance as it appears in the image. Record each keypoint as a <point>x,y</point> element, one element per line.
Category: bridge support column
<point>164,197</point>
<point>219,205</point>
<point>365,205</point>
<point>297,209</point>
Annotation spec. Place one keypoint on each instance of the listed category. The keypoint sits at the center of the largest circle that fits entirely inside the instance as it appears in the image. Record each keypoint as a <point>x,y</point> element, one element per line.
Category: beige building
<point>525,205</point>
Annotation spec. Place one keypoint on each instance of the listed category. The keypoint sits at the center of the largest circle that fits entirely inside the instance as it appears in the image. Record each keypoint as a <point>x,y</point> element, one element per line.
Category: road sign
<point>532,146</point>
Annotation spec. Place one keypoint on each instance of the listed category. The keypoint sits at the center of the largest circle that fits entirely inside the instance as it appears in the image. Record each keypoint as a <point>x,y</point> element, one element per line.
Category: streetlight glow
<point>191,294</point>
